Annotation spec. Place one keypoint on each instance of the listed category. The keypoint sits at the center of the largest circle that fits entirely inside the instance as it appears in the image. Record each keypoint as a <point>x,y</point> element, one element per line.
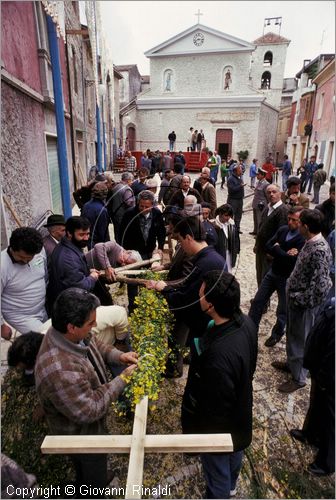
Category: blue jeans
<point>214,173</point>
<point>221,471</point>
<point>284,180</point>
<point>171,145</point>
<point>270,283</point>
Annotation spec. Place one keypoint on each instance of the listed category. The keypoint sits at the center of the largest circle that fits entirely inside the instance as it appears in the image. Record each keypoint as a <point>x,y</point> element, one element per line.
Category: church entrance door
<point>131,138</point>
<point>224,142</point>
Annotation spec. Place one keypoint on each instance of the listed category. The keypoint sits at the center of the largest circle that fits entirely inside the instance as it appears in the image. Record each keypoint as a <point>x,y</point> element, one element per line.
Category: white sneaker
<point>233,493</point>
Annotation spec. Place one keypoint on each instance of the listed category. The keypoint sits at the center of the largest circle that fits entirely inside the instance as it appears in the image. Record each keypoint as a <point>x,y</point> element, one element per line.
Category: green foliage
<point>22,433</point>
<point>243,154</point>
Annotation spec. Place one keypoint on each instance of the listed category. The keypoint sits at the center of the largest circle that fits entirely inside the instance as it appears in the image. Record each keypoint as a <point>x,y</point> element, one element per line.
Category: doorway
<point>131,138</point>
<point>224,142</point>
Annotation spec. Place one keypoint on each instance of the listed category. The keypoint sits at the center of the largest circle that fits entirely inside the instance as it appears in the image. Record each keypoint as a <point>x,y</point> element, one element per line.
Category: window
<point>268,58</point>
<point>266,80</point>
<point>321,104</point>
<point>43,52</point>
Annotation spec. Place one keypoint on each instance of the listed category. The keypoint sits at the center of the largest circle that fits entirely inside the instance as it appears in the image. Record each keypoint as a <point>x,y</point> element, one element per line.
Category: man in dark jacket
<point>284,248</point>
<point>272,217</point>
<point>142,228</point>
<point>68,266</point>
<point>96,212</point>
<point>183,298</point>
<point>319,425</point>
<point>235,198</point>
<point>328,210</point>
<point>218,393</point>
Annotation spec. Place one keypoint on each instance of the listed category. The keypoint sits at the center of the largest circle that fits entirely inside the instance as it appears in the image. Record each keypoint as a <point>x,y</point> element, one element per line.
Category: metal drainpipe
<point>99,145</point>
<point>104,137</point>
<point>60,122</point>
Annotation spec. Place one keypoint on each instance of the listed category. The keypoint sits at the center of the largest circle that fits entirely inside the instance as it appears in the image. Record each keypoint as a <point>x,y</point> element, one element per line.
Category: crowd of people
<point>57,285</point>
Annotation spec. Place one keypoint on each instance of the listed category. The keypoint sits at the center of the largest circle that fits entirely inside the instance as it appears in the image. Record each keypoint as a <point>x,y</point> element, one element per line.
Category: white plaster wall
<point>153,126</point>
<point>266,139</point>
<point>200,75</point>
<point>277,71</point>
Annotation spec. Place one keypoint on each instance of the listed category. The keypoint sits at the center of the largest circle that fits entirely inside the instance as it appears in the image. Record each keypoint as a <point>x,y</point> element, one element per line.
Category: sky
<point>131,28</point>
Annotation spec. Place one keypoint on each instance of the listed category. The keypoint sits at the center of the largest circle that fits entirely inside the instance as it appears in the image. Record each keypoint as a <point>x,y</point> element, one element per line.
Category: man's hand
<point>6,332</point>
<point>94,274</point>
<point>293,252</point>
<point>127,372</point>
<point>129,358</point>
<point>294,198</point>
<point>110,274</point>
<point>156,285</point>
<point>156,266</point>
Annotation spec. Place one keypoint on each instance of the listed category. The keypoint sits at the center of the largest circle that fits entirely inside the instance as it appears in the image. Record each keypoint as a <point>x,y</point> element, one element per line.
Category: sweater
<point>309,283</point>
<point>23,292</point>
<point>74,395</point>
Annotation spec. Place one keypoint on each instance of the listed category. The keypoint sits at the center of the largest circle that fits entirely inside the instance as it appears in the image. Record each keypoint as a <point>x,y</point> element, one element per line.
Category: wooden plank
<point>86,444</point>
<point>137,455</point>
<point>153,443</point>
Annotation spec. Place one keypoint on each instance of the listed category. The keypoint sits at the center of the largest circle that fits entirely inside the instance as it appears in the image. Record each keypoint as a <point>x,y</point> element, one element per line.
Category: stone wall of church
<point>273,95</point>
<point>153,127</point>
<point>199,75</point>
<point>266,140</point>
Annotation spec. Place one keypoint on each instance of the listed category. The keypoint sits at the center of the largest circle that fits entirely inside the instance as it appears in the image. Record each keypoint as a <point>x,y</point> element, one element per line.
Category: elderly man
<point>185,190</point>
<point>24,279</point>
<point>107,256</point>
<point>142,228</point>
<point>259,199</point>
<point>56,230</point>
<point>72,383</point>
<point>235,198</point>
<point>130,162</point>
<point>273,216</point>
<point>207,190</point>
<point>120,199</point>
<point>293,196</point>
<point>307,289</point>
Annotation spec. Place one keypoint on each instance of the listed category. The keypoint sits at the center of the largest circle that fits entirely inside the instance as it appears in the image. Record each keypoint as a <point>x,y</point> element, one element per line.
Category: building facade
<point>209,80</point>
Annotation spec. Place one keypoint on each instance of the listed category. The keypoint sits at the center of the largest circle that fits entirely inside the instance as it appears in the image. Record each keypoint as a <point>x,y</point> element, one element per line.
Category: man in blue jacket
<point>218,393</point>
<point>284,247</point>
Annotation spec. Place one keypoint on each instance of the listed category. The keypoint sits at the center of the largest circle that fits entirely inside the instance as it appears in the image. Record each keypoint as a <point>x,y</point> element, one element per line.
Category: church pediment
<point>199,39</point>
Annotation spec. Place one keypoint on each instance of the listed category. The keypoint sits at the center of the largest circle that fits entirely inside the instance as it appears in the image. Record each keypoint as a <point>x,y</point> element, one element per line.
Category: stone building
<point>29,160</point>
<point>211,80</point>
<point>289,87</point>
<point>300,143</point>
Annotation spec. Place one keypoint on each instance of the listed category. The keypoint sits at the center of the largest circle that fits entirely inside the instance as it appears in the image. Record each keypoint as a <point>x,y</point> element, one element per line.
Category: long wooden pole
<point>136,265</point>
<point>137,455</point>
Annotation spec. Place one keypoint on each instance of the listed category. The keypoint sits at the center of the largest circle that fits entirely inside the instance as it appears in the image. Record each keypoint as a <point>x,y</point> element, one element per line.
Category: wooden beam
<point>137,455</point>
<point>154,443</point>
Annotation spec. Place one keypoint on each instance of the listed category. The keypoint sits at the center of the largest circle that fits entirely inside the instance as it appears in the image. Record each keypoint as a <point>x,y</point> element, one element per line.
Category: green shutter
<point>54,176</point>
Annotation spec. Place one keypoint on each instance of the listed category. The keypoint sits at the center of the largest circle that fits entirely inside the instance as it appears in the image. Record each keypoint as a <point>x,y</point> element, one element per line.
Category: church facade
<point>209,80</point>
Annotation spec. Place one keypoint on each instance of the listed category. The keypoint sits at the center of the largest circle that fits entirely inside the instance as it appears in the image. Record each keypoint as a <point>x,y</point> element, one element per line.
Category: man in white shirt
<point>24,279</point>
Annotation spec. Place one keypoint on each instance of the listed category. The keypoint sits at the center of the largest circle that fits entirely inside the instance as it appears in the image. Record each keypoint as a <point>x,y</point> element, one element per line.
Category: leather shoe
<point>317,471</point>
<point>253,233</point>
<point>281,365</point>
<point>290,386</point>
<point>298,435</point>
<point>271,341</point>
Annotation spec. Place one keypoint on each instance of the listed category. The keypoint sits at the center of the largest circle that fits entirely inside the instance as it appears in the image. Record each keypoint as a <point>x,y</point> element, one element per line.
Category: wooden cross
<point>198,14</point>
<point>137,444</point>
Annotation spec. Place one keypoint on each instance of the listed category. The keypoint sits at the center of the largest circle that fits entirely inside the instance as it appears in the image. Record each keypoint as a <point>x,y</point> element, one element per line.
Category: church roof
<point>271,38</point>
<point>200,39</point>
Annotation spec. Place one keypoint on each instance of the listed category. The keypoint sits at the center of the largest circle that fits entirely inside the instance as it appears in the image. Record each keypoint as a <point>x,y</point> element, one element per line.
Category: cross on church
<point>137,444</point>
<point>198,14</point>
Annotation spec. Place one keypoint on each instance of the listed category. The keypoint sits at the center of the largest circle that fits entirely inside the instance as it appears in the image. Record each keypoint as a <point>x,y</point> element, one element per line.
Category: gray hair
<point>151,182</point>
<point>190,198</point>
<point>274,186</point>
<point>134,254</point>
<point>127,176</point>
<point>146,195</point>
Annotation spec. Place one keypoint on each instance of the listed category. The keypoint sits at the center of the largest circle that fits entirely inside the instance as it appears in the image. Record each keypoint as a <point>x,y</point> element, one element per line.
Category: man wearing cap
<point>56,229</point>
<point>235,197</point>
<point>259,199</point>
<point>293,196</point>
<point>96,212</point>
